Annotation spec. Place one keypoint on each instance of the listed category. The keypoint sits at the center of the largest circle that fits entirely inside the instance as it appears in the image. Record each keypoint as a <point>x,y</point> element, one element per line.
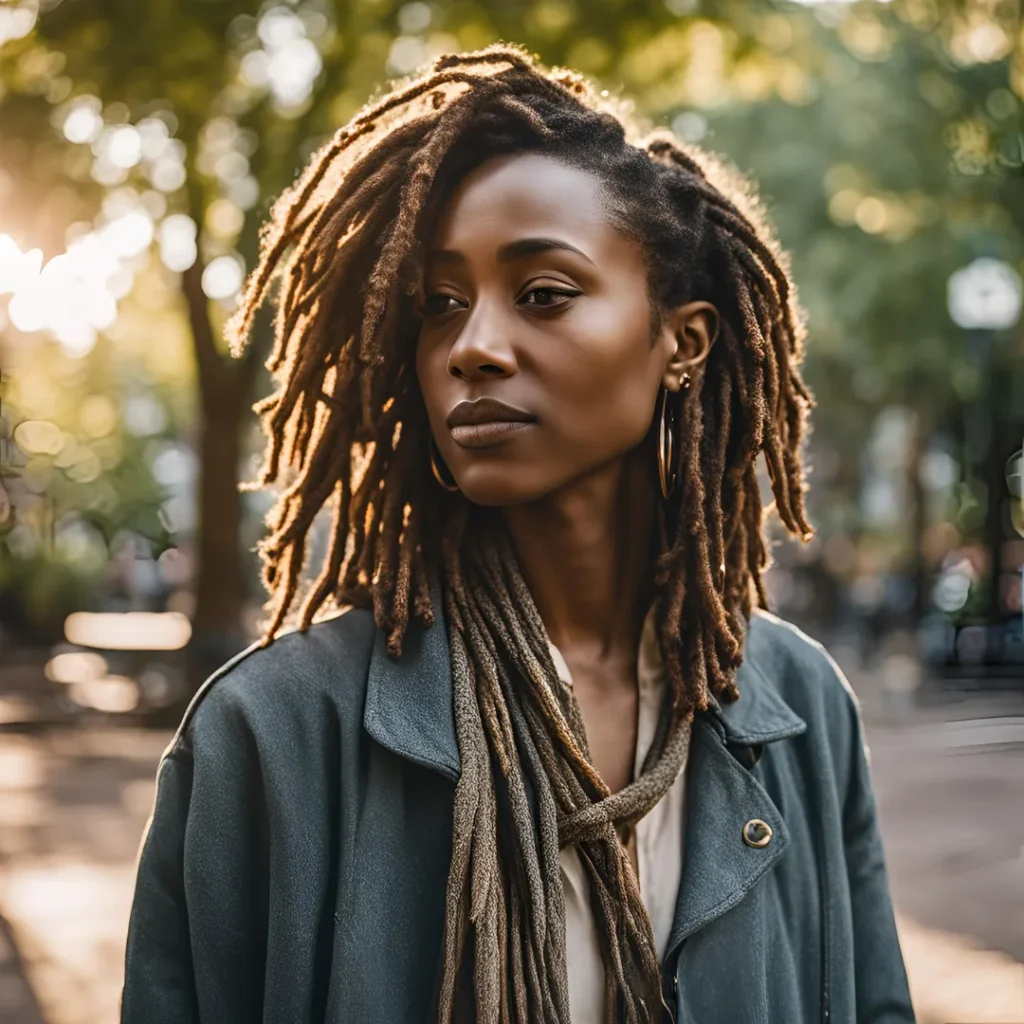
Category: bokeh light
<point>17,20</point>
<point>178,249</point>
<point>83,121</point>
<point>223,276</point>
<point>288,63</point>
<point>128,631</point>
<point>73,295</point>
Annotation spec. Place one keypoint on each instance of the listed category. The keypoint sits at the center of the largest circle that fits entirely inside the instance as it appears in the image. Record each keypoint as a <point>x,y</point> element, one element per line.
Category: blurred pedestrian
<point>529,359</point>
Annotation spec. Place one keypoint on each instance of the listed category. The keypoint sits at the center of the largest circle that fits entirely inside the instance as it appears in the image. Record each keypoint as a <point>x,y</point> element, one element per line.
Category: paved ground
<point>950,782</point>
<point>73,805</point>
<point>17,1000</point>
<point>950,786</point>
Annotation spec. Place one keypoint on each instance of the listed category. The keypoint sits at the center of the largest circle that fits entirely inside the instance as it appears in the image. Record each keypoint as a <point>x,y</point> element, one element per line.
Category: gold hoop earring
<point>442,474</point>
<point>667,472</point>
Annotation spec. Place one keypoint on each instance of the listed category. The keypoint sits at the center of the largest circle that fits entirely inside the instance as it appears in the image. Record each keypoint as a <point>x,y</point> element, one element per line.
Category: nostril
<point>475,370</point>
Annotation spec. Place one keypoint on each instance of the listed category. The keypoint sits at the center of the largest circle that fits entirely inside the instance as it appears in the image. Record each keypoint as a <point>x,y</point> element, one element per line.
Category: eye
<point>548,297</point>
<point>438,304</point>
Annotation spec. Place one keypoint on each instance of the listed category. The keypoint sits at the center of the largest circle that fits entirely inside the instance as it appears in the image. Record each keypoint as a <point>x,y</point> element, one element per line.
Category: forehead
<point>529,194</point>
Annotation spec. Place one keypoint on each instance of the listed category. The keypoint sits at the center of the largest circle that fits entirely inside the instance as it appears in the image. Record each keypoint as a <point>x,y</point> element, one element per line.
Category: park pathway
<point>950,783</point>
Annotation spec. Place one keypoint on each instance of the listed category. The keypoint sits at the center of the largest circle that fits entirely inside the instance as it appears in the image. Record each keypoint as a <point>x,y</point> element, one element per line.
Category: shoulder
<point>802,672</point>
<point>278,689</point>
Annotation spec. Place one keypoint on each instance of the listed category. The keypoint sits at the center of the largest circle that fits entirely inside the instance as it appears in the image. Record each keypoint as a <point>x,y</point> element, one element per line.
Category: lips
<point>486,422</point>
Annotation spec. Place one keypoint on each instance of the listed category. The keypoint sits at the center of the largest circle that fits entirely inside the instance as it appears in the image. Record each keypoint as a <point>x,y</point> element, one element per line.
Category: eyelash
<point>566,294</point>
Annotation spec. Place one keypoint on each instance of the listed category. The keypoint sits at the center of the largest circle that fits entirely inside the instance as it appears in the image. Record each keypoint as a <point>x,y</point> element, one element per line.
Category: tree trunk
<point>224,386</point>
<point>220,592</point>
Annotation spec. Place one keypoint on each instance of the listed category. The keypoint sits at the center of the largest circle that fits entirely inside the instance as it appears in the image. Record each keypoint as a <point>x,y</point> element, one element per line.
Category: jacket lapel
<point>409,699</point>
<point>719,868</point>
<point>409,711</point>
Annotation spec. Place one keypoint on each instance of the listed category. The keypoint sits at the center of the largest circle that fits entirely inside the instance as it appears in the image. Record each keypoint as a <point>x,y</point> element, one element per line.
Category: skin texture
<point>566,337</point>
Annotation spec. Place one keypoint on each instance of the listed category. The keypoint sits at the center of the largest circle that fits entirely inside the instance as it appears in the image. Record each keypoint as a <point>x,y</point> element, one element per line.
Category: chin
<point>502,486</point>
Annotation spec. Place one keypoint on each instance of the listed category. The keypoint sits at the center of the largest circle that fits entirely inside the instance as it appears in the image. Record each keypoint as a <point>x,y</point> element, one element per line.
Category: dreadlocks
<point>347,431</point>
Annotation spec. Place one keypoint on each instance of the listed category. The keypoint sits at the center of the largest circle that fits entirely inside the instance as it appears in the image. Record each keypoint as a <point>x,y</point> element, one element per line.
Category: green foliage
<point>38,590</point>
<point>879,201</point>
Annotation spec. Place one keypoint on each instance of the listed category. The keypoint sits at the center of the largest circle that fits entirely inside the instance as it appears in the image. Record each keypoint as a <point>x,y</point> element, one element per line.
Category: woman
<point>529,365</point>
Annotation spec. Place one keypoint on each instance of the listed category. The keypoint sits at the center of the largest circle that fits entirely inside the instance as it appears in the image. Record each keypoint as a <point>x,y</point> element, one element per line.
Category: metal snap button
<point>757,833</point>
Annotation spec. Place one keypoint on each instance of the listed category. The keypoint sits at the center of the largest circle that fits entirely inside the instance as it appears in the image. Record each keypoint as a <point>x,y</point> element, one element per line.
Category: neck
<point>585,552</point>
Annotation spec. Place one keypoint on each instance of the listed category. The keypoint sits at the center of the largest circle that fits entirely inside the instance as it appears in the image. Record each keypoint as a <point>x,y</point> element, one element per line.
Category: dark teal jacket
<point>294,869</point>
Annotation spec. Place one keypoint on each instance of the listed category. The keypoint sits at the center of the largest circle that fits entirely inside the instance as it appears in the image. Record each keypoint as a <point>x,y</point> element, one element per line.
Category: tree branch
<point>209,362</point>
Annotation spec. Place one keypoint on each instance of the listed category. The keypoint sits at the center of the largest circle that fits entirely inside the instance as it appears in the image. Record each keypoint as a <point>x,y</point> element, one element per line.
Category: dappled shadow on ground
<point>73,806</point>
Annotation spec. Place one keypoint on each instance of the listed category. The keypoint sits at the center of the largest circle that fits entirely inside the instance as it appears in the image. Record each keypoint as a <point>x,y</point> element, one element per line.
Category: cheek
<point>609,377</point>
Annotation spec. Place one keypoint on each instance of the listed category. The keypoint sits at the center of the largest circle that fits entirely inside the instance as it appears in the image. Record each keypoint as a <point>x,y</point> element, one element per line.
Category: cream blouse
<point>659,849</point>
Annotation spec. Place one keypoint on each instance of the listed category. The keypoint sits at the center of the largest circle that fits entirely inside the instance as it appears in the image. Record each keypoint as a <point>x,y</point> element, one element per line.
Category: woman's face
<point>535,353</point>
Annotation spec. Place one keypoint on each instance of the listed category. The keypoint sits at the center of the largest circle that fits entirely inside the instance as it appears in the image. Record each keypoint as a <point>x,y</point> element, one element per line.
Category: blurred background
<point>141,146</point>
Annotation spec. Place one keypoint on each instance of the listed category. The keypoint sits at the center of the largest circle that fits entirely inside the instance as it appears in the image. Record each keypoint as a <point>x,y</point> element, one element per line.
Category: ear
<point>688,333</point>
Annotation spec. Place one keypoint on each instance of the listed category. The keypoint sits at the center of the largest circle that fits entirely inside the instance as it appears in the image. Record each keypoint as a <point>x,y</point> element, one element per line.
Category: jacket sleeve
<point>882,993</point>
<point>159,986</point>
<point>197,931</point>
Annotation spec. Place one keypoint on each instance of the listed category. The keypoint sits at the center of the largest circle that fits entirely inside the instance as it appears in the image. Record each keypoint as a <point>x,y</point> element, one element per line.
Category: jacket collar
<point>760,715</point>
<point>409,700</point>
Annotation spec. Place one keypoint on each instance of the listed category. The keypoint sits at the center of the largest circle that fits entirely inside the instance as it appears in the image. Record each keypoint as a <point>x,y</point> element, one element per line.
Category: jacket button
<point>757,832</point>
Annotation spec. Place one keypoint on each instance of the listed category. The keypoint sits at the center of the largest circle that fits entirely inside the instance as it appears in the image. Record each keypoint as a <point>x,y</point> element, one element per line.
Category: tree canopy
<point>143,144</point>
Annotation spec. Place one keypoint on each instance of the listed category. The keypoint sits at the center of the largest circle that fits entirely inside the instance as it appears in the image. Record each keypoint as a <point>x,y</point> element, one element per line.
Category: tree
<point>903,165</point>
<point>244,95</point>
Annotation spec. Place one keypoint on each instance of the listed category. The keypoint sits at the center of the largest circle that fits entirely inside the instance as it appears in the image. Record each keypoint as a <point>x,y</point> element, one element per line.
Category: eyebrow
<point>512,251</point>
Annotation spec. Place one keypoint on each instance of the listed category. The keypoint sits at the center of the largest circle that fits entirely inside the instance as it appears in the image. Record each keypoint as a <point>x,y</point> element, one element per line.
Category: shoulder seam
<point>225,670</point>
<point>826,664</point>
<point>176,754</point>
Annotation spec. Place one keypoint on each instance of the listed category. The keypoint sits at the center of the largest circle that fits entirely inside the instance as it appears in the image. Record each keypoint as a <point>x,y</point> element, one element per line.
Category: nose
<point>483,347</point>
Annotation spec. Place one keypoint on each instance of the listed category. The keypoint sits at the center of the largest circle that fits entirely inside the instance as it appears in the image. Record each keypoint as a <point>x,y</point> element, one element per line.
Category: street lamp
<point>983,298</point>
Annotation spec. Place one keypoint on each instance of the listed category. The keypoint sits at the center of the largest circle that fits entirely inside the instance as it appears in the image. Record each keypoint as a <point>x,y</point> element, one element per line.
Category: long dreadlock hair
<point>347,431</point>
